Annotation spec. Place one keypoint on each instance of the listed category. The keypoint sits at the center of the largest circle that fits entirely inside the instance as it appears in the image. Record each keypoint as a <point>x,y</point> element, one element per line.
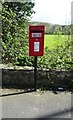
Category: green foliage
<point>25,61</point>
<point>15,16</point>
<point>58,55</point>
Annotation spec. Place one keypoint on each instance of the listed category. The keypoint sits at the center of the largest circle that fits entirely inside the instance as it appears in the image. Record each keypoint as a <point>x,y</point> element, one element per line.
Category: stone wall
<point>20,78</point>
<point>55,79</point>
<point>45,78</point>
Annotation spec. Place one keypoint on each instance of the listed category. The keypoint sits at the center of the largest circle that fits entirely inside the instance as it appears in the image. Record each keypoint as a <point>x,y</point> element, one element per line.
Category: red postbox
<point>36,40</point>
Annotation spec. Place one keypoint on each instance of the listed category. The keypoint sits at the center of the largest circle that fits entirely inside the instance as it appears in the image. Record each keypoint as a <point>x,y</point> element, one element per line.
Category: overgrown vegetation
<point>15,16</point>
<point>58,52</point>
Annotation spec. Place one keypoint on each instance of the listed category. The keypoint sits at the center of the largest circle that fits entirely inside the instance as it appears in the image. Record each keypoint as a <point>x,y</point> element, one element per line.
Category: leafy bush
<point>15,16</point>
<point>58,58</point>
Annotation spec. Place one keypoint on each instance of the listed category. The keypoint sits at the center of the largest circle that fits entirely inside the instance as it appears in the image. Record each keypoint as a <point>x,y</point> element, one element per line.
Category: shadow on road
<point>56,114</point>
<point>36,119</point>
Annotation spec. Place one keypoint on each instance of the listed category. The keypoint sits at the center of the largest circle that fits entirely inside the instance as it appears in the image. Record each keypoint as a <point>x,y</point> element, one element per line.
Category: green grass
<point>51,41</point>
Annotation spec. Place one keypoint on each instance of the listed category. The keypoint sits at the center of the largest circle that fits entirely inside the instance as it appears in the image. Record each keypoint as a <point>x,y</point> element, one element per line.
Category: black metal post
<point>35,73</point>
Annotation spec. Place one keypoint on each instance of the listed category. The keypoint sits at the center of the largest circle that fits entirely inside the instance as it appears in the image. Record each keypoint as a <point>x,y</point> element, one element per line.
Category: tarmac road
<point>36,105</point>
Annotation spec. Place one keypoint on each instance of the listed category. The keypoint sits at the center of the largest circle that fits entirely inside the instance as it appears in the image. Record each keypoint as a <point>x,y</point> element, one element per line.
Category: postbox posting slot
<point>36,31</point>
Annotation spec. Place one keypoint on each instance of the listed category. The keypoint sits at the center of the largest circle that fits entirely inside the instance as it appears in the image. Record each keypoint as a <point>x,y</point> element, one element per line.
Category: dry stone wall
<point>25,78</point>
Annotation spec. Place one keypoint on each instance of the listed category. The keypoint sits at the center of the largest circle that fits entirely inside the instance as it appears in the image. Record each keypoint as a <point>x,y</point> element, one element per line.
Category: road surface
<point>37,105</point>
